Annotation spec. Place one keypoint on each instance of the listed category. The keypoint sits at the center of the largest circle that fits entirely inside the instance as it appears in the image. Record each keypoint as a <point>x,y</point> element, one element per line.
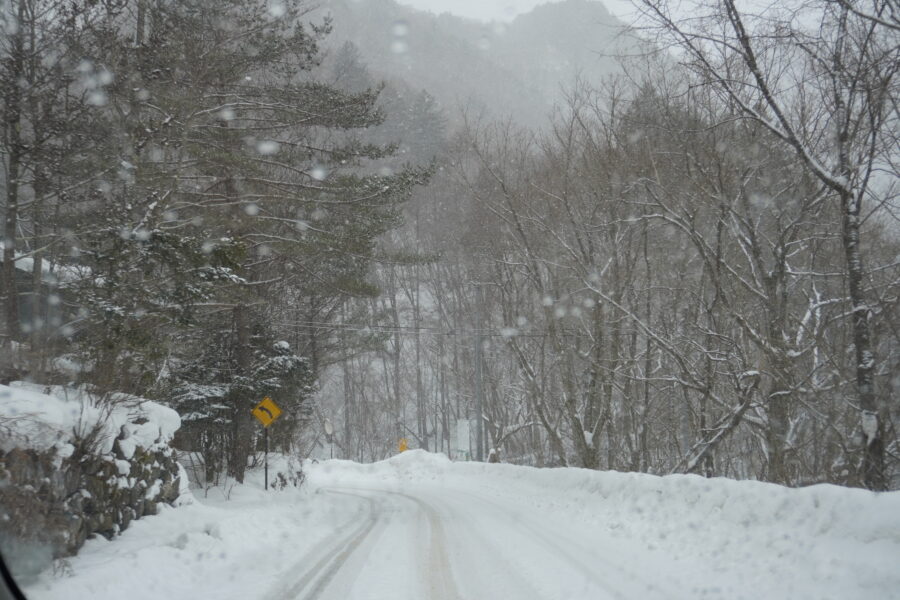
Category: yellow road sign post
<point>266,412</point>
<point>404,445</point>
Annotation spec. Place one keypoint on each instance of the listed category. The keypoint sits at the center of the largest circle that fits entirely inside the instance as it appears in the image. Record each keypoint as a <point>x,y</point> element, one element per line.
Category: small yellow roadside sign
<point>404,445</point>
<point>266,411</point>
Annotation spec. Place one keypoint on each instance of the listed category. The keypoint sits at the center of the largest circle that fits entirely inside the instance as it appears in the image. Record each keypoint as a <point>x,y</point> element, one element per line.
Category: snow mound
<point>610,496</point>
<point>709,505</point>
<point>38,417</point>
<point>417,465</point>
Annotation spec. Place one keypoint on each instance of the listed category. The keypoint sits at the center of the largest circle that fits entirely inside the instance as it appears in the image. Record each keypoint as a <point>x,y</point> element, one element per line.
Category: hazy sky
<point>498,10</point>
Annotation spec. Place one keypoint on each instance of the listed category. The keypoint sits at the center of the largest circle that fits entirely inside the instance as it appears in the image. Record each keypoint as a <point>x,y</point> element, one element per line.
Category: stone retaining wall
<point>52,501</point>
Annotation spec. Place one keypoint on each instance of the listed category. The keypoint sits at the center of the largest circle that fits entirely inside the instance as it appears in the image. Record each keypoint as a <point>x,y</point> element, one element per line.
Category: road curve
<point>439,544</point>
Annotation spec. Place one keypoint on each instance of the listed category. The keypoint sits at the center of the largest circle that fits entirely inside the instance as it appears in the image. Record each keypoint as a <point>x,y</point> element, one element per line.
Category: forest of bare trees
<point>693,269</point>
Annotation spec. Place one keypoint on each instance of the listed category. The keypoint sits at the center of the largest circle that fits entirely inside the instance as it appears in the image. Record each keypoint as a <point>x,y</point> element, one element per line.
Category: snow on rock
<point>39,417</point>
<point>127,446</point>
<point>62,451</point>
<point>38,421</point>
<point>184,488</point>
<point>154,490</point>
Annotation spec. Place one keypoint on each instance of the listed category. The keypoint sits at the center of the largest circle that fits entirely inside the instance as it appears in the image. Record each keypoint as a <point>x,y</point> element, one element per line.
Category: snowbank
<point>821,510</point>
<point>232,542</point>
<point>31,418</point>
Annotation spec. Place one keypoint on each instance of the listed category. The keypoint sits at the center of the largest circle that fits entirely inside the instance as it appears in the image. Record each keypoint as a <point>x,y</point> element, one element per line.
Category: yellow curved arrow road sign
<point>266,411</point>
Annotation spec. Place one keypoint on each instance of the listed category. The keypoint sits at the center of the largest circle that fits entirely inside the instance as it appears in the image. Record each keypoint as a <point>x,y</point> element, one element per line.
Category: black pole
<point>479,391</point>
<point>266,435</point>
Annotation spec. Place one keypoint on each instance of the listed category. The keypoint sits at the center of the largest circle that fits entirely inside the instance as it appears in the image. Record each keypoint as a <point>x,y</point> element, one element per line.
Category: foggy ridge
<point>516,70</point>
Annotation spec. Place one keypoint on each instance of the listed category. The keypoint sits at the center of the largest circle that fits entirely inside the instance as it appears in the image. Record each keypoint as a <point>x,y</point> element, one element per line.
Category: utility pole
<point>442,390</point>
<point>479,400</point>
<point>421,405</point>
<point>329,435</point>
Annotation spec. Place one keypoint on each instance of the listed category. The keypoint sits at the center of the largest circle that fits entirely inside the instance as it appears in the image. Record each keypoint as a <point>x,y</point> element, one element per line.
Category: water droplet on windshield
<point>400,28</point>
<point>97,98</point>
<point>267,147</point>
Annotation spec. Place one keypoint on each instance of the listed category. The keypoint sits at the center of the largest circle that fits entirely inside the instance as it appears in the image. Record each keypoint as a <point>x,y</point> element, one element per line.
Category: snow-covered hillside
<point>420,526</point>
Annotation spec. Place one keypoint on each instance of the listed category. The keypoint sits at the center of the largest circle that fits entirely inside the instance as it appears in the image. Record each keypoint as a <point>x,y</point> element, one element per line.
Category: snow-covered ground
<point>418,526</point>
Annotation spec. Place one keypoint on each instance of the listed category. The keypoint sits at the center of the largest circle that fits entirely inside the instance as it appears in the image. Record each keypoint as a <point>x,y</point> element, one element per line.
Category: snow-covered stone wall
<point>72,467</point>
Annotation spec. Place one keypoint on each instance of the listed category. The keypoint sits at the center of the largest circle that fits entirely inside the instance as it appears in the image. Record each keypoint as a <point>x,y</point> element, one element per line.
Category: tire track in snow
<point>333,556</point>
<point>517,571</point>
<point>441,585</point>
<point>439,581</point>
<point>438,575</point>
<point>582,561</point>
<point>517,586</point>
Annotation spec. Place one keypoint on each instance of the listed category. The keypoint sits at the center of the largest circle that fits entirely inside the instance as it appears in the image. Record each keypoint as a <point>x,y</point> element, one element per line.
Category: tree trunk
<point>13,133</point>
<point>348,393</point>
<point>242,422</point>
<point>872,468</point>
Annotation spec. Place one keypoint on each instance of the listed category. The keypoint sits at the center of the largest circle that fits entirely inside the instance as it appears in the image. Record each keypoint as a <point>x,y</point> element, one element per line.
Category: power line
<point>412,330</point>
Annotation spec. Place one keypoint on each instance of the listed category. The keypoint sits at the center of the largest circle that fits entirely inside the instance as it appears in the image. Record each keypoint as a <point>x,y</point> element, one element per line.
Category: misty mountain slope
<point>554,43</point>
<point>518,70</point>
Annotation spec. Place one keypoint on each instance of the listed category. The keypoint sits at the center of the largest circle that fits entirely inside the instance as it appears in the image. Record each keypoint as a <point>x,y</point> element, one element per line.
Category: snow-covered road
<point>420,527</point>
<point>442,544</point>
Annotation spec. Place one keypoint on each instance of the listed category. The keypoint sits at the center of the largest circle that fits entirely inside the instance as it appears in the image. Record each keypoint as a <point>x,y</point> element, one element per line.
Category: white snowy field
<point>420,527</point>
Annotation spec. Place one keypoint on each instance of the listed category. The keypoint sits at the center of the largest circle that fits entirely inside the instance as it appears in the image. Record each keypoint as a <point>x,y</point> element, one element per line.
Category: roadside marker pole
<point>266,412</point>
<point>479,392</point>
